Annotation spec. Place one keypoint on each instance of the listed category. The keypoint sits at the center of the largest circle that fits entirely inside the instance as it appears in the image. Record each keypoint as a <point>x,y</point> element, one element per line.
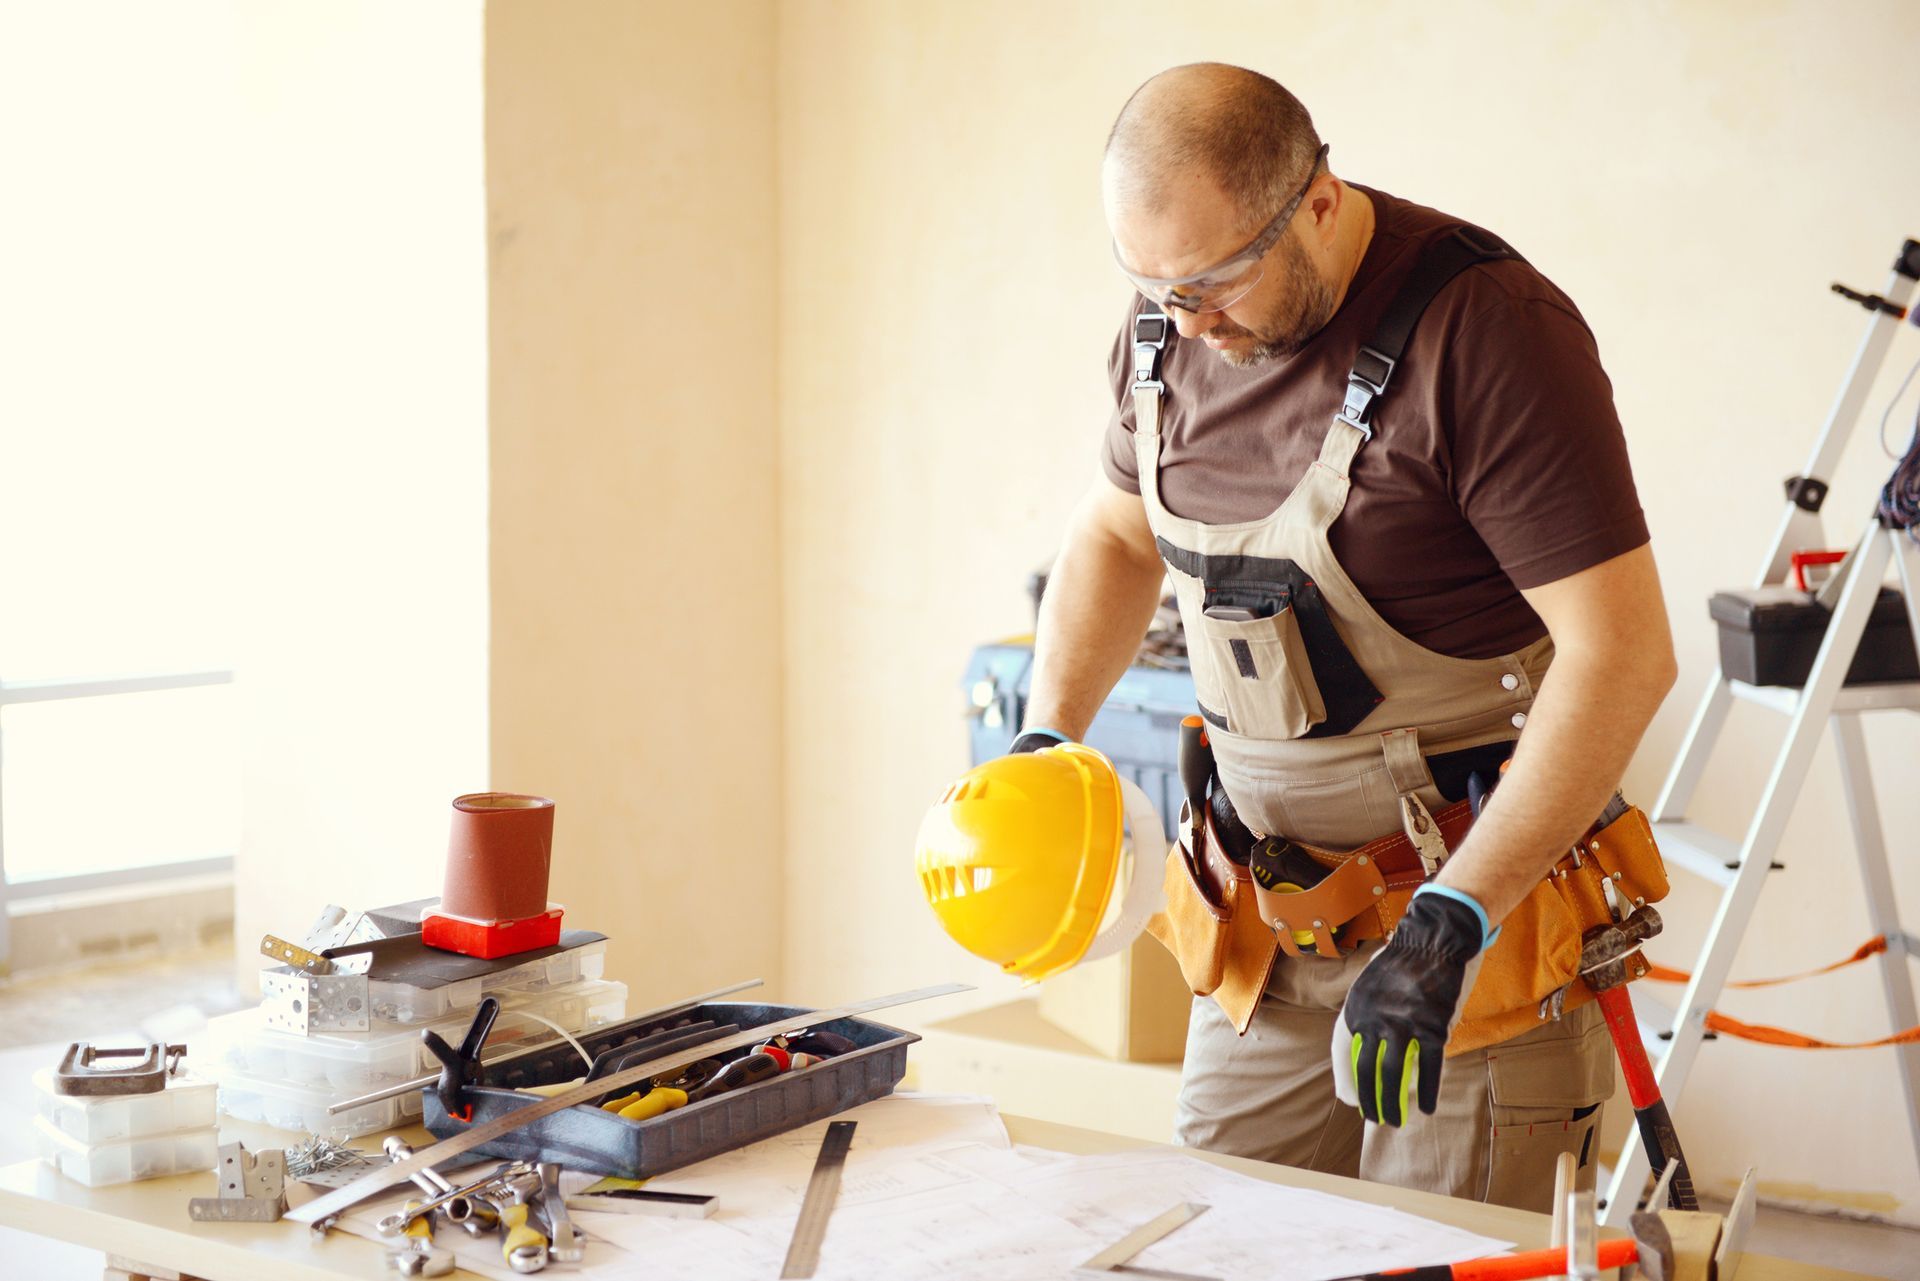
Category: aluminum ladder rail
<point>1740,869</point>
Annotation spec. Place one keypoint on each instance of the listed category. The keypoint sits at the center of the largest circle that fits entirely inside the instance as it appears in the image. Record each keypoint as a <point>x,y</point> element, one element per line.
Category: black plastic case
<point>1769,636</point>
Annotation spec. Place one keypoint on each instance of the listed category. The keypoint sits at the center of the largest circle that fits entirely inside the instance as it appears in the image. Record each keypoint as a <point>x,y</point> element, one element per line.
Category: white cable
<point>1888,415</point>
<point>566,1035</point>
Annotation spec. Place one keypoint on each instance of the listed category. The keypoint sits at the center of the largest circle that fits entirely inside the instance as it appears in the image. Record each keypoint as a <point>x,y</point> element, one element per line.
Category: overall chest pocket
<point>1263,680</point>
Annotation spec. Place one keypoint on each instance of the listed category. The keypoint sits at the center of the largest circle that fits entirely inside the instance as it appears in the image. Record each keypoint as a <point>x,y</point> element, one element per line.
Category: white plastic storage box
<point>405,1003</point>
<point>187,1103</point>
<point>286,991</point>
<point>304,1108</point>
<point>351,1063</point>
<point>152,1157</point>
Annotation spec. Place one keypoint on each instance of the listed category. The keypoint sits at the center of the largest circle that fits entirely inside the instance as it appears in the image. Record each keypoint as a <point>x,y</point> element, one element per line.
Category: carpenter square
<point>320,1211</point>
<point>1113,1260</point>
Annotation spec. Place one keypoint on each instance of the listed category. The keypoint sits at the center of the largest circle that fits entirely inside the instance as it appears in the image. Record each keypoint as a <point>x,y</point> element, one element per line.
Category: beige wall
<point>635,551</point>
<point>1692,175</point>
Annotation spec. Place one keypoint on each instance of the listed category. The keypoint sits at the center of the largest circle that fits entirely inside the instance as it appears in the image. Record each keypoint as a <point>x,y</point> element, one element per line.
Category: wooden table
<point>148,1220</point>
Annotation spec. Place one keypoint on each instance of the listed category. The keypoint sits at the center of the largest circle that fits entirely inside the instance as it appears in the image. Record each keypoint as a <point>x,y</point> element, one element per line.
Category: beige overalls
<point>1332,751</point>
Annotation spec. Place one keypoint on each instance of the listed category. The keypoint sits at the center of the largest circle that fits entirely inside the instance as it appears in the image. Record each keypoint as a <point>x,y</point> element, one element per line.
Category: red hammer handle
<point>1662,1141</point>
<point>1525,1266</point>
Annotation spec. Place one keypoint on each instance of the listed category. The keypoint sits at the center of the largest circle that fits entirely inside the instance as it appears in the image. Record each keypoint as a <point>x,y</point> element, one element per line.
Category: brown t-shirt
<point>1497,460</point>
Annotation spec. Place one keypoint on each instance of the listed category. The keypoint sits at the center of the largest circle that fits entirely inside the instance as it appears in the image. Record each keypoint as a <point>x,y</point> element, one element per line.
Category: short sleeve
<point>1539,460</point>
<point>1117,457</point>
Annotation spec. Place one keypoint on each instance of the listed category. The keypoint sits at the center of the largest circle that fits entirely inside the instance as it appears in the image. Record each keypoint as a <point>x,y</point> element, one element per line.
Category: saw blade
<point>320,1211</point>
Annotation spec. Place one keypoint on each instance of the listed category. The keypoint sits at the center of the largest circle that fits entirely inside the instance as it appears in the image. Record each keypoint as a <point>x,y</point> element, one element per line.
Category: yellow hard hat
<point>1022,860</point>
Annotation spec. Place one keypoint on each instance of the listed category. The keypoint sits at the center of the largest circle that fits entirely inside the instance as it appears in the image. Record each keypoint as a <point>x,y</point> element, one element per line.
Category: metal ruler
<point>321,1211</point>
<point>1116,1258</point>
<point>823,1189</point>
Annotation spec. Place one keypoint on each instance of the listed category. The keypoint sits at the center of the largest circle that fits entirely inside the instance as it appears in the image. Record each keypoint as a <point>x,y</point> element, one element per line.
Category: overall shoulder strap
<point>1149,339</point>
<point>1373,368</point>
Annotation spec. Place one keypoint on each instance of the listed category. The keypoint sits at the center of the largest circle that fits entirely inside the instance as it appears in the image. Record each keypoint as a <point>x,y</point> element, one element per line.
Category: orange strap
<point>1718,1022</point>
<point>1871,948</point>
<point>1760,1032</point>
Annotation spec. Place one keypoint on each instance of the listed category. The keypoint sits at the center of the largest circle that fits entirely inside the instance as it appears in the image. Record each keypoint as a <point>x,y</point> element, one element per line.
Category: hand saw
<point>321,1211</point>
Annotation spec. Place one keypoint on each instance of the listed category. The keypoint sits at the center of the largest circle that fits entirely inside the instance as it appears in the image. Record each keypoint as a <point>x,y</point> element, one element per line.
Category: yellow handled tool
<point>420,1229</point>
<point>640,1107</point>
<point>526,1246</point>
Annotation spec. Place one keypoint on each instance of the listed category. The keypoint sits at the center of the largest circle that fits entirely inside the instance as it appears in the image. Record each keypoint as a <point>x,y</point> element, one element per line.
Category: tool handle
<point>520,1231</point>
<point>1662,1141</point>
<point>421,1229</point>
<point>1196,766</point>
<point>1524,1266</point>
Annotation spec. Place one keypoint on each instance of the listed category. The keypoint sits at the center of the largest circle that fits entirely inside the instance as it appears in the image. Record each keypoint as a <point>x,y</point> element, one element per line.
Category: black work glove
<point>1392,1031</point>
<point>1035,739</point>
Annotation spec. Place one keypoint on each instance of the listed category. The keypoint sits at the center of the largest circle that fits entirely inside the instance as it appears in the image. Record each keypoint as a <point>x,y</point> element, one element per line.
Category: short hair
<point>1243,129</point>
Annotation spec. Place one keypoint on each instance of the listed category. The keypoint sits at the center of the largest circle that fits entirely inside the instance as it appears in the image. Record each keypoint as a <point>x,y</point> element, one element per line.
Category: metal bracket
<point>253,1188</point>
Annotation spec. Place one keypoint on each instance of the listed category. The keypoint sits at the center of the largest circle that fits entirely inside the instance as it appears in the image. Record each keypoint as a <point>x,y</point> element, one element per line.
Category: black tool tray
<point>585,1138</point>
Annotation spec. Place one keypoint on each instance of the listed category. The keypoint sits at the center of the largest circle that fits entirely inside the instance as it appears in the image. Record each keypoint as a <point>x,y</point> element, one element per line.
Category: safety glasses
<point>1227,282</point>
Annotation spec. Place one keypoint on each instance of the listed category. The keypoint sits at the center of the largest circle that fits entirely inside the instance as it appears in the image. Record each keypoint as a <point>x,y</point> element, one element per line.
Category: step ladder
<point>1739,867</point>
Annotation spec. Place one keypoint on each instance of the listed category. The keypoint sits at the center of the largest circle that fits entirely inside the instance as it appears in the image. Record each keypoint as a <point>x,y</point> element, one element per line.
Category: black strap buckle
<point>1372,371</point>
<point>1149,338</point>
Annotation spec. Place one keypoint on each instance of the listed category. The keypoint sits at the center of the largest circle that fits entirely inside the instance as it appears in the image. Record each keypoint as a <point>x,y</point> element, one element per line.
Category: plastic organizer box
<point>152,1157</point>
<point>304,1107</point>
<point>187,1103</point>
<point>405,1003</point>
<point>349,1063</point>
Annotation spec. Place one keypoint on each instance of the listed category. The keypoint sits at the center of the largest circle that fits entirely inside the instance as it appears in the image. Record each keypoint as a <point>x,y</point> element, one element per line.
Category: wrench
<point>474,1216</point>
<point>394,1224</point>
<point>564,1247</point>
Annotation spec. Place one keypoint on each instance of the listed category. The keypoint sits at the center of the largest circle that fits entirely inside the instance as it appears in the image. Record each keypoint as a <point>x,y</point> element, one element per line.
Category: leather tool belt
<point>1226,930</point>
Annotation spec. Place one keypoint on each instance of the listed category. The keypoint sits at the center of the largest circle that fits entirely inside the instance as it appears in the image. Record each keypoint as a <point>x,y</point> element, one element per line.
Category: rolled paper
<point>498,857</point>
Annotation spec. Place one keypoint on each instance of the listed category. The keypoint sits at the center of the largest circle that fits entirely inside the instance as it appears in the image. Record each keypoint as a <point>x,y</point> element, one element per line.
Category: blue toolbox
<point>1138,727</point>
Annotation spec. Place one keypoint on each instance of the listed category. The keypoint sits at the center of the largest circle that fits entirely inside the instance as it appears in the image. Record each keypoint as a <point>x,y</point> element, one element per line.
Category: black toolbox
<point>1769,636</point>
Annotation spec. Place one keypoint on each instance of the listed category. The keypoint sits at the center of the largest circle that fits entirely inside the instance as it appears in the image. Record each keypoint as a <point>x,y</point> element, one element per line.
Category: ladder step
<point>1880,696</point>
<point>1697,849</point>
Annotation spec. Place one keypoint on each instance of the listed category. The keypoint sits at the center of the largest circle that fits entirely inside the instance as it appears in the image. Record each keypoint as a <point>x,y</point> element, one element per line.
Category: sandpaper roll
<point>498,857</point>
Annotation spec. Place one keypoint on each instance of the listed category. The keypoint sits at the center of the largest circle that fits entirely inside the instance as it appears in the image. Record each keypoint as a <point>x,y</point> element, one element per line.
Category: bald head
<point>1210,122</point>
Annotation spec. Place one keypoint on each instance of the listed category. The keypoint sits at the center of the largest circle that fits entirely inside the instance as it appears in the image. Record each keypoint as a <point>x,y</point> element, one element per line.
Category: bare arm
<point>1100,597</point>
<point>1613,664</point>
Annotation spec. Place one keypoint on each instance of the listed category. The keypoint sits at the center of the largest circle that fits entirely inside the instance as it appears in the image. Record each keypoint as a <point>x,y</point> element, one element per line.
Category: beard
<point>1308,303</point>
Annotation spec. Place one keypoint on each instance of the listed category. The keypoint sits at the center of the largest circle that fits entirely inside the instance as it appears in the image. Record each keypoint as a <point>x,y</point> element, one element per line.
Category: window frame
<point>47,691</point>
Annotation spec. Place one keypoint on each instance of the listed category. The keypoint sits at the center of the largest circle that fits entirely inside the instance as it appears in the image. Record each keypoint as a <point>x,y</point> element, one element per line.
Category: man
<point>1373,584</point>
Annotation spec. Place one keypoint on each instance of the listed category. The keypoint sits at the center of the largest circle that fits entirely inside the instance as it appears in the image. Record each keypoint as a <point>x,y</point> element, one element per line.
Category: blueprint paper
<point>932,1188</point>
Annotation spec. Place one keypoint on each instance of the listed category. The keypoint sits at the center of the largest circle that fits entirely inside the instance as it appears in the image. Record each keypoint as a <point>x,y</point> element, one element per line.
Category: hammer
<point>1609,960</point>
